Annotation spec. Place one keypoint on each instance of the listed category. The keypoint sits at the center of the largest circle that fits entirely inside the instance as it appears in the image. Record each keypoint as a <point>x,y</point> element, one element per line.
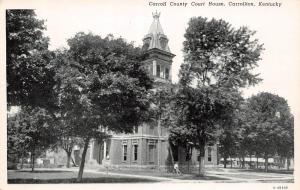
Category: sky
<point>278,28</point>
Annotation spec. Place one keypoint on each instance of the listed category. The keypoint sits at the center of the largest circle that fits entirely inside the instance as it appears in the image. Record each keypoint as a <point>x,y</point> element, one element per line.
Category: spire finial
<point>156,15</point>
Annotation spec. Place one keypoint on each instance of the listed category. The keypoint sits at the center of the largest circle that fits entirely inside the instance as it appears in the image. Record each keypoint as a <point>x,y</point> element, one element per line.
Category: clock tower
<point>158,55</point>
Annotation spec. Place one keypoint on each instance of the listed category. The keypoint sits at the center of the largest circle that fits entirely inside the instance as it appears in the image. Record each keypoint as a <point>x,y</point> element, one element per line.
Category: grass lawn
<point>156,173</point>
<point>53,176</point>
<point>244,176</point>
<point>276,171</point>
<point>196,177</point>
<point>43,176</point>
<point>218,175</point>
<point>261,170</point>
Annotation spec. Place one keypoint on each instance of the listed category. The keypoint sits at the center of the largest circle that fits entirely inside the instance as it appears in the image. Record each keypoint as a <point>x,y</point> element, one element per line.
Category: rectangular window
<point>158,70</point>
<point>107,148</point>
<point>124,152</point>
<point>188,153</point>
<point>135,129</point>
<point>151,152</point>
<point>151,129</point>
<point>198,155</point>
<point>209,154</point>
<point>167,73</point>
<point>135,152</point>
<point>77,157</point>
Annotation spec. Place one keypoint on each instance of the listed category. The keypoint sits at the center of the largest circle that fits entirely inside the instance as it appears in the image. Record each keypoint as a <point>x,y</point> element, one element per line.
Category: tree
<point>227,141</point>
<point>285,147</point>
<point>271,125</point>
<point>67,93</point>
<point>31,130</point>
<point>105,87</point>
<point>218,62</point>
<point>76,117</point>
<point>228,132</point>
<point>195,117</point>
<point>67,143</point>
<point>16,141</point>
<point>246,142</point>
<point>29,80</point>
<point>216,54</point>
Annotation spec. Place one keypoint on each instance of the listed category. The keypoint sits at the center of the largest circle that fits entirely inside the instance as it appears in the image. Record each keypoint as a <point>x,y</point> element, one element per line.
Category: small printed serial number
<point>280,187</point>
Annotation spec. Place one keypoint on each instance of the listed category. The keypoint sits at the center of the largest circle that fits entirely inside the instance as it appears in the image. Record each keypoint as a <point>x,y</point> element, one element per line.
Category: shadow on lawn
<point>197,177</point>
<point>84,180</point>
<point>43,171</point>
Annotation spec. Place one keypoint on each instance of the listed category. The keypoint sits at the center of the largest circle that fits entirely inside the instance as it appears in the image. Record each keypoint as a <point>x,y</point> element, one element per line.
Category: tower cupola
<point>156,37</point>
<point>159,56</point>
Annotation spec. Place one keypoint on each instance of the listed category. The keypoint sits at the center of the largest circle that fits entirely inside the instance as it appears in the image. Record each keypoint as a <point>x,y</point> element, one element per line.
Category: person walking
<point>176,168</point>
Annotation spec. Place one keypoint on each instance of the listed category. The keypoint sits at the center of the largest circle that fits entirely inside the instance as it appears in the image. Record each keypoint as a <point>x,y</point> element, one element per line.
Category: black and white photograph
<point>150,92</point>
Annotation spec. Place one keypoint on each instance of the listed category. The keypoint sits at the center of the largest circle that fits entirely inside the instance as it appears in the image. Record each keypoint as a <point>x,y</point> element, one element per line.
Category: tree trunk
<point>225,161</point>
<point>68,159</point>
<point>201,161</point>
<point>240,161</point>
<point>243,162</point>
<point>158,143</point>
<point>257,162</point>
<point>230,162</point>
<point>73,161</point>
<point>188,168</point>
<point>22,161</point>
<point>266,163</point>
<point>287,164</point>
<point>172,158</point>
<point>86,144</point>
<point>32,161</point>
<point>189,158</point>
<point>201,166</point>
<point>250,164</point>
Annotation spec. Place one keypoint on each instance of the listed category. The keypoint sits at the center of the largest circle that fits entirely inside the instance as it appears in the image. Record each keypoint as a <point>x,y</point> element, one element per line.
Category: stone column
<point>154,67</point>
<point>104,150</point>
<point>92,149</point>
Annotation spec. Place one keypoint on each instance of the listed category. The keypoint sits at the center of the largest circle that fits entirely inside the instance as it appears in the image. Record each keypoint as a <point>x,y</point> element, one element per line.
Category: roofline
<point>160,51</point>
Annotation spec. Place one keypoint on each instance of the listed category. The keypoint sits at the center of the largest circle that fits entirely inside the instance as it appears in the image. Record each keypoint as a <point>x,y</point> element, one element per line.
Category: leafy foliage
<point>269,123</point>
<point>30,130</point>
<point>29,80</point>
<point>119,84</point>
<point>217,54</point>
<point>100,86</point>
<point>218,62</point>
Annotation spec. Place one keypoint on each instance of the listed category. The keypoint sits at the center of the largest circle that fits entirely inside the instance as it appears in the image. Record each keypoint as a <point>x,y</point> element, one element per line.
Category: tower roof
<point>156,37</point>
<point>155,27</point>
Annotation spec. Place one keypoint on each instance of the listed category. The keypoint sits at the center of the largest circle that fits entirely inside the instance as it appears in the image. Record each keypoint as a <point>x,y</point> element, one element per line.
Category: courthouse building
<point>148,146</point>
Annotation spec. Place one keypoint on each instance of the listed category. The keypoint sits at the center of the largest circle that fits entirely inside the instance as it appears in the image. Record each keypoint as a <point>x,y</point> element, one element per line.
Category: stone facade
<point>146,148</point>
